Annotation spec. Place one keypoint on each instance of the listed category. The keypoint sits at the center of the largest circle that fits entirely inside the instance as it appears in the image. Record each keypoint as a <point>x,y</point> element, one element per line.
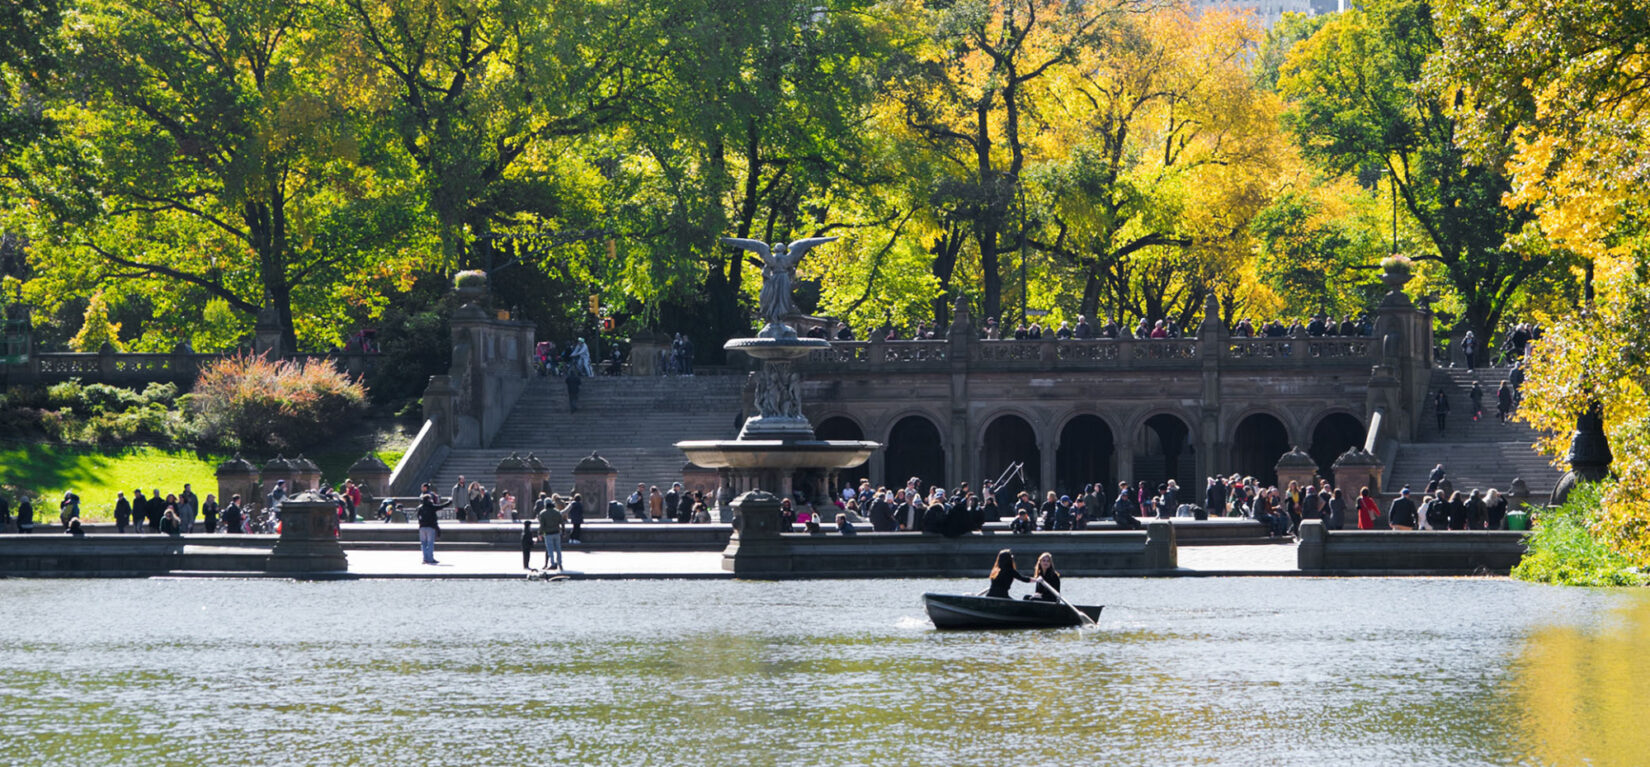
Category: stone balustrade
<point>1096,354</point>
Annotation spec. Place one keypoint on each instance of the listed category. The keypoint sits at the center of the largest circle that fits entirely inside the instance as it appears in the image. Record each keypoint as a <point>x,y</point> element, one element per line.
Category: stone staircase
<point>632,421</point>
<point>1476,454</point>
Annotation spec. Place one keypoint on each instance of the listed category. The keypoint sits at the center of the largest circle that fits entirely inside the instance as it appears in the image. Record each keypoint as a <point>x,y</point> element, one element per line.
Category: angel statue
<point>778,270</point>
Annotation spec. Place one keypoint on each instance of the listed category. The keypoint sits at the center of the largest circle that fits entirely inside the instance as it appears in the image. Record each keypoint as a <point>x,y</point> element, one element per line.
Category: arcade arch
<point>843,427</point>
<point>913,449</point>
<point>1009,439</point>
<point>1332,436</point>
<point>1163,450</point>
<point>1084,455</point>
<point>1257,443</point>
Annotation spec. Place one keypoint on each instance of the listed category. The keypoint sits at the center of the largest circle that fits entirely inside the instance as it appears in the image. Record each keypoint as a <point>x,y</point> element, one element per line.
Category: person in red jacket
<point>1367,510</point>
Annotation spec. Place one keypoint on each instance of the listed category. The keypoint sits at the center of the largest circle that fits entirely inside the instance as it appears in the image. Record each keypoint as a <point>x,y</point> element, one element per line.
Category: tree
<point>965,81</point>
<point>1173,152</point>
<point>1563,83</point>
<point>96,329</point>
<point>28,58</point>
<point>201,159</point>
<point>1359,101</point>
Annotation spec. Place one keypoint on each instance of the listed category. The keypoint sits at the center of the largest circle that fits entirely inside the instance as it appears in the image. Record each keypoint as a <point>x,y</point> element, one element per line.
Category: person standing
<point>170,524</point>
<point>1402,513</point>
<point>550,524</point>
<point>1503,402</point>
<point>1367,511</point>
<point>460,498</point>
<point>25,515</point>
<point>1125,510</point>
<point>655,504</point>
<point>123,512</point>
<point>140,510</point>
<point>575,516</point>
<point>233,517</point>
<point>188,508</point>
<point>274,499</point>
<point>1469,348</point>
<point>5,513</point>
<point>1440,408</point>
<point>526,545</point>
<point>68,508</point>
<point>1335,517</point>
<point>429,522</point>
<point>673,498</point>
<point>209,513</point>
<point>636,503</point>
<point>573,385</point>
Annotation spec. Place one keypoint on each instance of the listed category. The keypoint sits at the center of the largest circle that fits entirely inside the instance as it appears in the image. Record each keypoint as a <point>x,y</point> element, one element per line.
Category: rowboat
<point>966,611</point>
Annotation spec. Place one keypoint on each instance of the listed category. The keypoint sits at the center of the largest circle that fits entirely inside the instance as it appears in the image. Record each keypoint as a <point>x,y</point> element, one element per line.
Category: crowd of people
<point>180,513</point>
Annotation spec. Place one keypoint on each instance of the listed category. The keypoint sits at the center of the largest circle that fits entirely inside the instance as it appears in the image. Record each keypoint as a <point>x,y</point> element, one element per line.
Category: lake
<point>1238,671</point>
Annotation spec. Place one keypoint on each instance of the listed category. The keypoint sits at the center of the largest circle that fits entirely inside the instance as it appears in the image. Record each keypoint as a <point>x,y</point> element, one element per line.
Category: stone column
<point>372,475</point>
<point>438,405</point>
<point>237,476</point>
<point>1296,466</point>
<point>1212,340</point>
<point>593,479</point>
<point>309,540</point>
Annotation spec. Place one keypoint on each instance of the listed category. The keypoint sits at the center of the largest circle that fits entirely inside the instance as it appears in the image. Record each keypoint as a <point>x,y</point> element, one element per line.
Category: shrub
<point>103,398</point>
<point>470,278</point>
<point>1397,264</point>
<point>68,395</point>
<point>163,394</point>
<point>249,402</point>
<point>1564,549</point>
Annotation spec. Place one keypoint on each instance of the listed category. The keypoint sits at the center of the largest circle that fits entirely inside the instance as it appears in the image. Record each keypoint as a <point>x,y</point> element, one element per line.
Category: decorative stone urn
<point>593,478</point>
<point>1296,466</point>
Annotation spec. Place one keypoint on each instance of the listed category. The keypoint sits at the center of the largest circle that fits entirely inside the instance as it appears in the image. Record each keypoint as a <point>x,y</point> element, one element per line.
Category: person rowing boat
<point>1003,575</point>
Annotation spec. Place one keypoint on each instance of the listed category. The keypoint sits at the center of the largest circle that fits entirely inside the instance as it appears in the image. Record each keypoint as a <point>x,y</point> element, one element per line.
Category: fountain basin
<point>791,455</point>
<point>777,348</point>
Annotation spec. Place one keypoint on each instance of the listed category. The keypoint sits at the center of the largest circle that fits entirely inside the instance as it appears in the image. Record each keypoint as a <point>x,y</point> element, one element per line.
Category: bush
<point>68,394</point>
<point>1565,550</point>
<point>163,394</point>
<point>248,402</point>
<point>103,398</point>
<point>1397,264</point>
<point>470,278</point>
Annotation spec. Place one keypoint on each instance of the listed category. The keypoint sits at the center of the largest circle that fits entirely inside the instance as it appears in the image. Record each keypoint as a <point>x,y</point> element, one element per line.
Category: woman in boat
<point>1049,586</point>
<point>1004,575</point>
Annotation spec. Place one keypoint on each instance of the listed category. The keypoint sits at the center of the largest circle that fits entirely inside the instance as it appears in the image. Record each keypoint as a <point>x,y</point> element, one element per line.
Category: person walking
<point>460,498</point>
<point>581,360</point>
<point>550,524</point>
<point>1503,402</point>
<point>123,512</point>
<point>1367,510</point>
<point>1476,396</point>
<point>1469,348</point>
<point>429,522</point>
<point>1440,408</point>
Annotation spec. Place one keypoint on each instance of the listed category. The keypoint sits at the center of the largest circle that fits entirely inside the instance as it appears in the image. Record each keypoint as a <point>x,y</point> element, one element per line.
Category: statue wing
<point>800,247</point>
<point>755,246</point>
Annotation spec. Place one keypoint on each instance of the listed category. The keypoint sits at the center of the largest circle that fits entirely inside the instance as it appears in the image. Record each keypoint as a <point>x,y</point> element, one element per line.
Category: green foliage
<point>1314,261</point>
<point>96,329</point>
<point>1565,550</point>
<point>470,278</point>
<point>251,403</point>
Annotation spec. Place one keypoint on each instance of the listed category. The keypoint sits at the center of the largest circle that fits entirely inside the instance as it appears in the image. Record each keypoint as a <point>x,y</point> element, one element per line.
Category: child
<point>526,545</point>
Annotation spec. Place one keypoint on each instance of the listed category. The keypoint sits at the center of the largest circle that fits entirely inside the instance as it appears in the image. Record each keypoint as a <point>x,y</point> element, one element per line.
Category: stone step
<point>1474,465</point>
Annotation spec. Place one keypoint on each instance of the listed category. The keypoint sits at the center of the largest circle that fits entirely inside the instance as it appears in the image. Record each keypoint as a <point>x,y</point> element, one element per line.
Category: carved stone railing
<point>1094,354</point>
<point>137,368</point>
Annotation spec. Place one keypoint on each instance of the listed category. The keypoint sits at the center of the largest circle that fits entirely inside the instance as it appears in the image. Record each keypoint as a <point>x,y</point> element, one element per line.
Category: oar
<point>1057,595</point>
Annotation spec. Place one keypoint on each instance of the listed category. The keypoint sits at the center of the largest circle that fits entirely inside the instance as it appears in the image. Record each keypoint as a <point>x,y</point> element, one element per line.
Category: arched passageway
<point>837,427</point>
<point>913,450</point>
<point>1084,456</point>
<point>1257,444</point>
<point>1009,439</point>
<point>1331,437</point>
<point>1162,451</point>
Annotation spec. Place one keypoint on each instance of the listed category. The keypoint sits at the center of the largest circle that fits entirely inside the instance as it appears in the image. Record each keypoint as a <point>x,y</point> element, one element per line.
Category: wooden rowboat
<point>965,611</point>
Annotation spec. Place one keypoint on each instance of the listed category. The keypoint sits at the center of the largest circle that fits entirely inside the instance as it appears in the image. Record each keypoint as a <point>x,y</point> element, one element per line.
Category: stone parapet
<point>1411,552</point>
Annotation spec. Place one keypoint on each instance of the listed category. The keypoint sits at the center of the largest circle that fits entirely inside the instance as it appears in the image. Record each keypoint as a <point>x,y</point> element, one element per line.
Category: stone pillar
<point>309,539</point>
<point>276,470</point>
<point>1356,469</point>
<point>1296,466</point>
<point>539,475</point>
<point>1309,553</point>
<point>644,353</point>
<point>372,475</point>
<point>514,475</point>
<point>237,476</point>
<point>1161,553</point>
<point>1212,340</point>
<point>438,404</point>
<point>307,474</point>
<point>962,465</point>
<point>593,478</point>
<point>266,333</point>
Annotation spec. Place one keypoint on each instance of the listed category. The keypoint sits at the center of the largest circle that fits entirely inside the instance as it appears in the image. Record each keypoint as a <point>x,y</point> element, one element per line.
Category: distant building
<point>1268,12</point>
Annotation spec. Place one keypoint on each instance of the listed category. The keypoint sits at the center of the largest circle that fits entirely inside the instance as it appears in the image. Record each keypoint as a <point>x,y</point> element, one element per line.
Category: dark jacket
<point>232,518</point>
<point>1046,590</point>
<point>1004,579</point>
<point>428,509</point>
<point>575,512</point>
<point>882,517</point>
<point>123,510</point>
<point>1402,512</point>
<point>933,520</point>
<point>958,520</point>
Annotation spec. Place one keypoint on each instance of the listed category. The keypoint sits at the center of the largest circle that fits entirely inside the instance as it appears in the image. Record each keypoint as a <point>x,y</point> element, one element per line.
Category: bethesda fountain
<point>778,441</point>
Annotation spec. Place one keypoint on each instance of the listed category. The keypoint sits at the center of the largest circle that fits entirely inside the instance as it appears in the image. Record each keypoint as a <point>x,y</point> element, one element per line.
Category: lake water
<point>1262,671</point>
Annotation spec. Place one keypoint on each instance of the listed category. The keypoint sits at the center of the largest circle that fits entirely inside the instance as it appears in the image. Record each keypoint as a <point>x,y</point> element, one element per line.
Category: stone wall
<point>1451,552</point>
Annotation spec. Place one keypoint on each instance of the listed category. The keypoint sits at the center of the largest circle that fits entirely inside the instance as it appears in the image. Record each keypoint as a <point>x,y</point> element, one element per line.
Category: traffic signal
<point>607,323</point>
<point>595,304</point>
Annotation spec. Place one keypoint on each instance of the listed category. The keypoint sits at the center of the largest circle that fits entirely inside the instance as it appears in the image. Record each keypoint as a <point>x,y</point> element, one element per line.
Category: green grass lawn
<point>47,471</point>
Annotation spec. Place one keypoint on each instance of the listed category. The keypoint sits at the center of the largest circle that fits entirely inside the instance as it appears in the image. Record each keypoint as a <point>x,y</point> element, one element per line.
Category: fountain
<point>778,440</point>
